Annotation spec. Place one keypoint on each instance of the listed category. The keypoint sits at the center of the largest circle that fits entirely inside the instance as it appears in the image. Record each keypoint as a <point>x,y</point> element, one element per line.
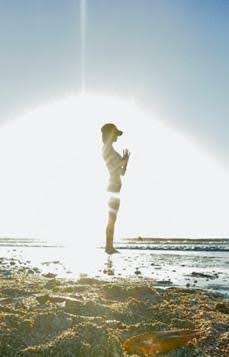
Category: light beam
<point>83,41</point>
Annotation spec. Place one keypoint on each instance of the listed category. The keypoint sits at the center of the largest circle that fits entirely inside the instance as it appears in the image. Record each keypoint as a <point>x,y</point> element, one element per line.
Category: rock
<point>83,275</point>
<point>137,272</point>
<point>182,324</point>
<point>57,299</point>
<point>30,271</point>
<point>89,281</point>
<point>87,340</point>
<point>92,308</point>
<point>72,305</point>
<point>121,293</point>
<point>202,275</point>
<point>49,275</point>
<point>193,301</point>
<point>222,307</point>
<point>42,299</point>
<point>2,271</point>
<point>46,263</point>
<point>5,309</point>
<point>62,322</point>
<point>221,327</point>
<point>43,322</point>
<point>110,272</point>
<point>12,292</point>
<point>164,282</point>
<point>7,274</point>
<point>52,284</point>
<point>26,325</point>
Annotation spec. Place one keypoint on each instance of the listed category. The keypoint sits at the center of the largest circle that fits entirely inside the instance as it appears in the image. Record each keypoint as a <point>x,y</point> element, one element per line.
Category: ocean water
<point>191,263</point>
<point>177,244</point>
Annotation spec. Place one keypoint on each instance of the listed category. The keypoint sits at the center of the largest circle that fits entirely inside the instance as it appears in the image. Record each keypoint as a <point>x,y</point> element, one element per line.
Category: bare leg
<point>110,231</point>
<point>113,203</point>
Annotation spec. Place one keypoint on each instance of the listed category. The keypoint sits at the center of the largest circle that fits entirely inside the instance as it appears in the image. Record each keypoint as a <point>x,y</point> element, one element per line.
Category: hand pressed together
<point>125,159</point>
<point>126,155</point>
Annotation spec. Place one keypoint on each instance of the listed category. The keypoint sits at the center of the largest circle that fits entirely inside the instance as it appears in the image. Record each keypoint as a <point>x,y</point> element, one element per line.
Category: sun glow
<point>53,179</point>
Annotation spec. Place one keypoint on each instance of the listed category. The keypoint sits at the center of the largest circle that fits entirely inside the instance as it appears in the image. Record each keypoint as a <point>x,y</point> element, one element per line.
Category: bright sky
<point>54,179</point>
<point>169,58</point>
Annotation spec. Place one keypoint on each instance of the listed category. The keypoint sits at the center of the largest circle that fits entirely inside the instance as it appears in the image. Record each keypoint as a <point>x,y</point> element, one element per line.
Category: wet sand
<point>42,315</point>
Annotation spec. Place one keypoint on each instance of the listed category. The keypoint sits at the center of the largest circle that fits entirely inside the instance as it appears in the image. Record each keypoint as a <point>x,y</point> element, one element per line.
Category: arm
<point>125,159</point>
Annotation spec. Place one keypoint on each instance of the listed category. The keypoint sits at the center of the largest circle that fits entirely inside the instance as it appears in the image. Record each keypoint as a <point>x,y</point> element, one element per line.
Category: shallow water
<point>167,267</point>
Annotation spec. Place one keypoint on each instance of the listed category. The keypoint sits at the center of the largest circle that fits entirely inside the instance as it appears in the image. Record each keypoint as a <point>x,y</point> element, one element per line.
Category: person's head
<point>110,133</point>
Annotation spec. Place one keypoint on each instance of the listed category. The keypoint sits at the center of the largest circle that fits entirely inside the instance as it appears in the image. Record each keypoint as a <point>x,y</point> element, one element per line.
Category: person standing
<point>116,165</point>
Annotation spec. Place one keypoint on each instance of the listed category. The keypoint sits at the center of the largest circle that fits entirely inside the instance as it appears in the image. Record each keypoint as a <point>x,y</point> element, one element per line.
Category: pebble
<point>49,275</point>
<point>30,271</point>
<point>137,272</point>
<point>110,272</point>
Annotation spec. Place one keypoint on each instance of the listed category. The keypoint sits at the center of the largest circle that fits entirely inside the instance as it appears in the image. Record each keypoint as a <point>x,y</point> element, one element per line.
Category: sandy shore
<point>47,316</point>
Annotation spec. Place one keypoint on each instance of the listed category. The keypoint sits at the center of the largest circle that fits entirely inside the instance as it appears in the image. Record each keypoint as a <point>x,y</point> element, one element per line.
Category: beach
<point>43,314</point>
<point>195,264</point>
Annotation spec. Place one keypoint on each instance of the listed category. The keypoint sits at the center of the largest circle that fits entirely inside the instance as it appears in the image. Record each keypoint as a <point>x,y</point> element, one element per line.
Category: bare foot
<point>111,250</point>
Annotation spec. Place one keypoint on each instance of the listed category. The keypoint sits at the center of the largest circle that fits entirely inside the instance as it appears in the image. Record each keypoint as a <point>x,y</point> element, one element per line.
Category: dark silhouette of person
<point>116,165</point>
